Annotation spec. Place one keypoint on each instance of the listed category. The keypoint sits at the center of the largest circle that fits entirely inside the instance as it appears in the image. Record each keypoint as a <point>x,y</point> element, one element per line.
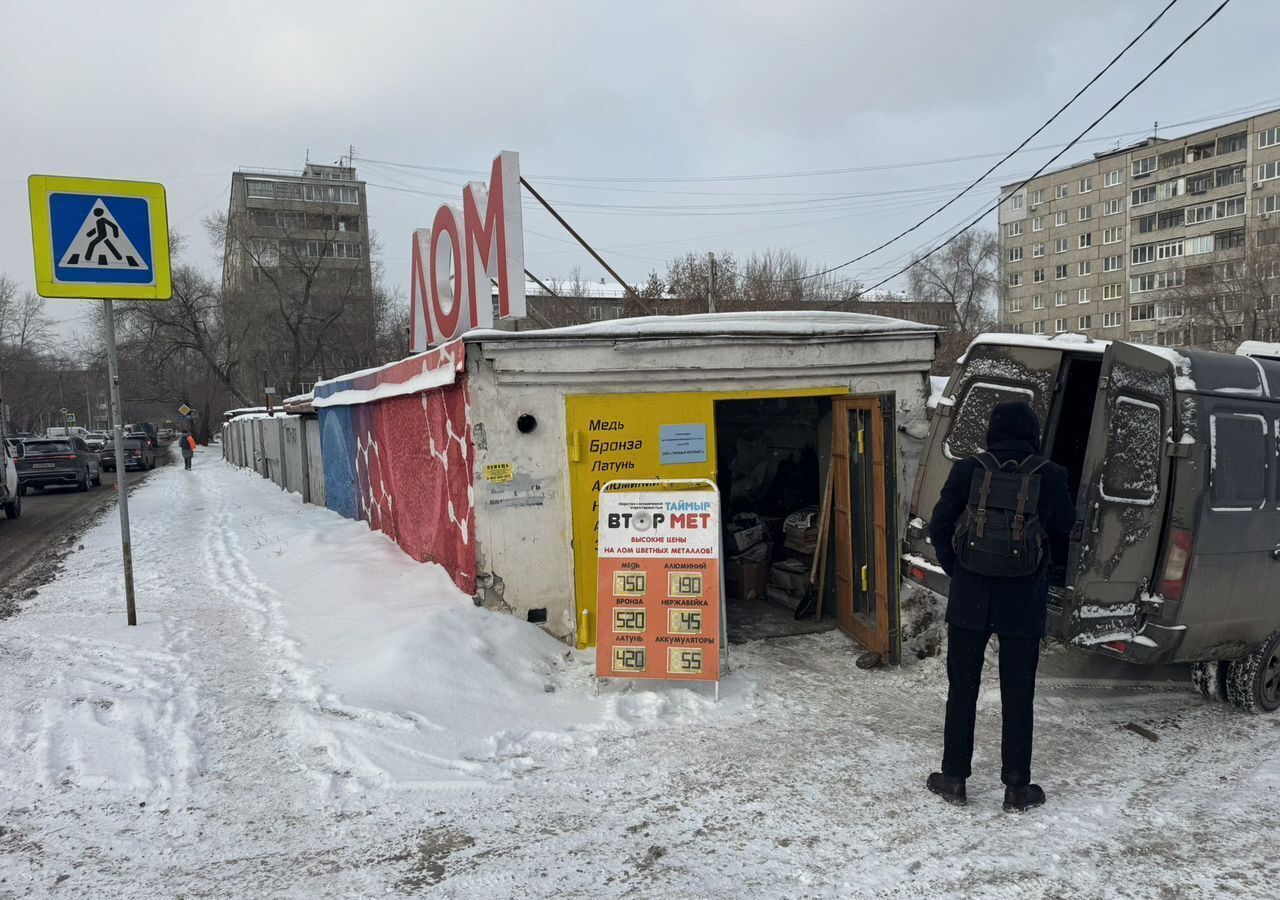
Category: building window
<point>1060,217</point>
<point>1169,309</point>
<point>1202,213</point>
<point>1037,250</point>
<point>1015,279</point>
<point>1059,272</point>
<point>1111,320</point>
<point>1268,205</point>
<point>1228,176</point>
<point>1082,295</point>
<point>1037,302</point>
<point>1085,240</point>
<point>1037,197</point>
<point>1233,143</point>
<point>1196,245</point>
<point>1037,328</point>
<point>1038,276</point>
<point>1086,185</point>
<point>1084,323</point>
<point>1061,191</point>
<point>1199,184</point>
<point>1113,263</point>
<point>1268,237</point>
<point>1146,224</point>
<point>1112,291</point>
<point>1144,166</point>
<point>1060,298</point>
<point>1232,206</point>
<point>1143,253</point>
<point>1037,224</point>
<point>1015,254</point>
<point>1171,219</point>
<point>1269,171</point>
<point>1113,235</point>
<point>1086,212</point>
<point>1013,229</point>
<point>1169,249</point>
<point>1228,240</point>
<point>1143,312</point>
<point>1113,178</point>
<point>1143,195</point>
<point>1085,267</point>
<point>1268,137</point>
<point>1113,206</point>
<point>1060,245</point>
<point>1059,325</point>
<point>1015,305</point>
<point>1017,201</point>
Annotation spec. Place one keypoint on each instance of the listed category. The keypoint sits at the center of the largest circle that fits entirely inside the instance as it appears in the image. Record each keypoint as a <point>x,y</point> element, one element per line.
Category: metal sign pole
<point>122,481</point>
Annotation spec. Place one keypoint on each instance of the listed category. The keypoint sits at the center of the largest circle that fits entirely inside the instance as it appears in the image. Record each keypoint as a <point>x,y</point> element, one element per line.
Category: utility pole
<point>711,292</point>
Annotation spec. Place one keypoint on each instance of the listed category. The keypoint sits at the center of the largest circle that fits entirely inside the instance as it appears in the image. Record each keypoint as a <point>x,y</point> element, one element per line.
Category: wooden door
<point>861,459</point>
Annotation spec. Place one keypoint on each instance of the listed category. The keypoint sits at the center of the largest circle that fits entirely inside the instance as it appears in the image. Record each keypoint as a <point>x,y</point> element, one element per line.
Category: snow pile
<point>376,664</point>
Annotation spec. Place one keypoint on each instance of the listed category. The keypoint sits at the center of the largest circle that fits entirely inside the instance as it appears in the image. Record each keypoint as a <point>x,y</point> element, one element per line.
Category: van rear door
<point>989,373</point>
<point>1124,494</point>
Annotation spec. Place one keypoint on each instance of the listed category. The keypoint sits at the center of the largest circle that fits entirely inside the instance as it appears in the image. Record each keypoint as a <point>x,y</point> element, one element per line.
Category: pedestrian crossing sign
<point>100,239</point>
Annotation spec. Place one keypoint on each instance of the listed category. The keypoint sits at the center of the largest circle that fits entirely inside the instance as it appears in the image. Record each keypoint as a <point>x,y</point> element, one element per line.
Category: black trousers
<point>186,461</point>
<point>1019,657</point>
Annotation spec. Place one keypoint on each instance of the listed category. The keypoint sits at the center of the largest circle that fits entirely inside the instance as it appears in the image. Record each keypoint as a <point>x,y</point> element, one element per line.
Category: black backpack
<point>999,535</point>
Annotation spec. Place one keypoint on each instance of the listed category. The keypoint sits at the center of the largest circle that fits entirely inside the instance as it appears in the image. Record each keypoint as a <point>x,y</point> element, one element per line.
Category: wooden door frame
<point>881,635</point>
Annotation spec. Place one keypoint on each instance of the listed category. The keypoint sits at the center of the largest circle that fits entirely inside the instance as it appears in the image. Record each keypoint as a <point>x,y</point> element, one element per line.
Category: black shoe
<point>1021,799</point>
<point>949,789</point>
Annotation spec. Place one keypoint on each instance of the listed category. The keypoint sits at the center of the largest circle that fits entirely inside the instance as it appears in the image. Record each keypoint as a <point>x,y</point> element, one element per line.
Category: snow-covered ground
<point>303,711</point>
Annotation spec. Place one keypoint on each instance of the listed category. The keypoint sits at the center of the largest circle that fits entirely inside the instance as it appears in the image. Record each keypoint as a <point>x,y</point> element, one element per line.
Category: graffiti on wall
<point>401,459</point>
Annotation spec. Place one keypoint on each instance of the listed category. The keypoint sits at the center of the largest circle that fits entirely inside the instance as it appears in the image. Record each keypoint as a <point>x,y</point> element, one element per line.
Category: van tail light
<point>1177,564</point>
<point>918,574</point>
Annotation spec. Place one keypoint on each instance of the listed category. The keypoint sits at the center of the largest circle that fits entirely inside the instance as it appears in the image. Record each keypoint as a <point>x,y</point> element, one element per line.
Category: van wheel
<point>1210,679</point>
<point>1253,683</point>
<point>14,508</point>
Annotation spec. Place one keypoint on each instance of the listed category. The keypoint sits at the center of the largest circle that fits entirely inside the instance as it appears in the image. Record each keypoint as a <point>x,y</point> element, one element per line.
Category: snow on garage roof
<point>776,323</point>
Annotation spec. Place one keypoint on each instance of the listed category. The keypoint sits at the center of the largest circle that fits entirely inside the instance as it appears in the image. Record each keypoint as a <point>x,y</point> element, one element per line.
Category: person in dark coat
<point>187,444</point>
<point>1015,609</point>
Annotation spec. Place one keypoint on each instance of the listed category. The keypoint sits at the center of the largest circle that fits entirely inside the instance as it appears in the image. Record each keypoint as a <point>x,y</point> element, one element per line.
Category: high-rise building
<point>1108,247</point>
<point>297,254</point>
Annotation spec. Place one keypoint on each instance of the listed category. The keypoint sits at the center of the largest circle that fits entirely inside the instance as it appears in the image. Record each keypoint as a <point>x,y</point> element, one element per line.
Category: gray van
<point>1172,456</point>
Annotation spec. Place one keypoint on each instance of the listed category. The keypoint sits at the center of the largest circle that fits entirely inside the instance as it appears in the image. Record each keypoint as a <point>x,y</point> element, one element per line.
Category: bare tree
<point>1229,298</point>
<point>965,274</point>
<point>296,296</point>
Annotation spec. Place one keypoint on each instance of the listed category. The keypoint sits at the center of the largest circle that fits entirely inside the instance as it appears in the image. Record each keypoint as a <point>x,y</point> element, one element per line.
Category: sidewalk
<point>303,711</point>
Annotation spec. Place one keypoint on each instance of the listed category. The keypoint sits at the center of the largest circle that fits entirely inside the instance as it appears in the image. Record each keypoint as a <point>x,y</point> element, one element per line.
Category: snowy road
<point>305,712</point>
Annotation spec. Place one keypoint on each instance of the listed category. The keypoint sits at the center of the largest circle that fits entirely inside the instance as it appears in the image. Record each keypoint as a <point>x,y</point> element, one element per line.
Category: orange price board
<point>659,585</point>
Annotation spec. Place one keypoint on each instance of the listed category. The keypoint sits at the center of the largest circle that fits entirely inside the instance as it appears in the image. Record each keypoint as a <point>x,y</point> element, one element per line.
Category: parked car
<point>10,489</point>
<point>165,434</point>
<point>1176,546</point>
<point>58,462</point>
<point>138,454</point>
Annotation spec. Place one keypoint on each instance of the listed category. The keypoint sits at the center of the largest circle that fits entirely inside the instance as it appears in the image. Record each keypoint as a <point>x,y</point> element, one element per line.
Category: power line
<point>1186,40</point>
<point>1053,118</point>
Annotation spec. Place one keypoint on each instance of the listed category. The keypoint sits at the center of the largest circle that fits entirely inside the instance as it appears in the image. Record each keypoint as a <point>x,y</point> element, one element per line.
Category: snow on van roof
<point>790,323</point>
<point>1078,343</point>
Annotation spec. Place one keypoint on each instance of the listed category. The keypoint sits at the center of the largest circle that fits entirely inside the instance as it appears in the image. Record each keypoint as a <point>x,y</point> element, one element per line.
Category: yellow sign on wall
<point>99,239</point>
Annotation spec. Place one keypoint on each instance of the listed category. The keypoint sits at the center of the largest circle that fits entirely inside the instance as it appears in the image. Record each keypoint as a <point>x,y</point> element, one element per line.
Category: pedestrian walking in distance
<point>1000,516</point>
<point>187,444</point>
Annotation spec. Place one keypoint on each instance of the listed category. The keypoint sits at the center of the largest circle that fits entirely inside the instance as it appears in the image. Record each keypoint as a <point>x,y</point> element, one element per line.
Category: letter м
<point>494,237</point>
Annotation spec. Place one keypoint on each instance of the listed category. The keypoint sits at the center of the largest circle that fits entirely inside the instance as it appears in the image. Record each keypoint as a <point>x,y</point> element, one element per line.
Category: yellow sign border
<point>41,186</point>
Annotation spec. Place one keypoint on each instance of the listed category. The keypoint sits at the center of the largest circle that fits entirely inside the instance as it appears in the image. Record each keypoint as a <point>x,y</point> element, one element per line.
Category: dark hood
<point>1013,423</point>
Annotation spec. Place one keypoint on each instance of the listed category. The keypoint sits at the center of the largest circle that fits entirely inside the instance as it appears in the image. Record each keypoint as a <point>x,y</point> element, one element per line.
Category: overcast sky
<point>185,93</point>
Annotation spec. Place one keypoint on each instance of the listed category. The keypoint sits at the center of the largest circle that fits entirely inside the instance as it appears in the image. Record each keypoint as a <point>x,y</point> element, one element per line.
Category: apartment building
<point>297,257</point>
<point>1105,247</point>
